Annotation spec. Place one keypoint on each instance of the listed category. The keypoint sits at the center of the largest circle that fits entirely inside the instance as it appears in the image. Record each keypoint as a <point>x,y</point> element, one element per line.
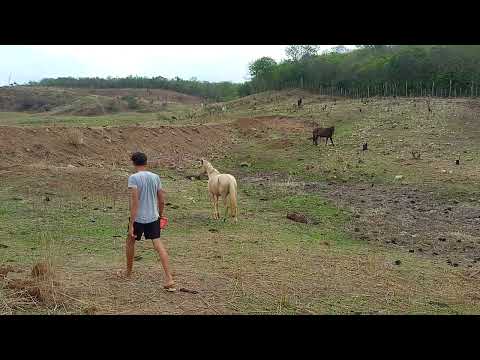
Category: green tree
<point>262,66</point>
<point>299,52</point>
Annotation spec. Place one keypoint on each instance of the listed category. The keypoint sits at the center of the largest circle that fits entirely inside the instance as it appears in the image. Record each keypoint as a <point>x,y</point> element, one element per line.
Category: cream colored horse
<point>223,185</point>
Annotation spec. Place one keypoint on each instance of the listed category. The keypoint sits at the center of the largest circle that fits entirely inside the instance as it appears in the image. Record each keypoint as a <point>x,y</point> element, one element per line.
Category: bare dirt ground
<point>413,219</point>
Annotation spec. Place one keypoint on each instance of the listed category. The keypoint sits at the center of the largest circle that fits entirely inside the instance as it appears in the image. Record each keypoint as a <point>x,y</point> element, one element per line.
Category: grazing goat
<point>323,132</point>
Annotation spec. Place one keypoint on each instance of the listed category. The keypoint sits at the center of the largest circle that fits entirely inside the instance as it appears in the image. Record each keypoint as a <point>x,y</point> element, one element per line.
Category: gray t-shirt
<point>147,184</point>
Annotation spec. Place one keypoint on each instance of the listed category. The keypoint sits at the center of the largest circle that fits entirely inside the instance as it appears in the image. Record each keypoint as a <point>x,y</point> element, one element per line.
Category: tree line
<point>220,91</point>
<point>367,70</point>
<point>372,70</point>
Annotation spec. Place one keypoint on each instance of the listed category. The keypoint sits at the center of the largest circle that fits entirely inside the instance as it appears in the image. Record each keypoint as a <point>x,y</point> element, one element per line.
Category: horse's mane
<point>210,167</point>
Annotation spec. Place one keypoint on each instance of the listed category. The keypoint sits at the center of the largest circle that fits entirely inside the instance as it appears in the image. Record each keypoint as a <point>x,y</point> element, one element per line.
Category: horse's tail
<point>233,198</point>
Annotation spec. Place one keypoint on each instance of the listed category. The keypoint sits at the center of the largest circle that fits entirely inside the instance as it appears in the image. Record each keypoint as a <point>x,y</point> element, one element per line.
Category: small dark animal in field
<point>457,162</point>
<point>299,102</point>
<point>327,133</point>
<point>174,118</point>
<point>365,147</point>
<point>360,109</point>
<point>416,155</point>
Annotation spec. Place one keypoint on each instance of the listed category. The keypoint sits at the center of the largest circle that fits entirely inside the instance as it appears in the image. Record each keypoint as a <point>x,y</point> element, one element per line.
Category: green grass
<point>265,263</point>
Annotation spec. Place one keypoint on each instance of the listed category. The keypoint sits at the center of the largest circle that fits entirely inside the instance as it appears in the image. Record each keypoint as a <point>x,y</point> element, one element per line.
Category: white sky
<point>205,62</point>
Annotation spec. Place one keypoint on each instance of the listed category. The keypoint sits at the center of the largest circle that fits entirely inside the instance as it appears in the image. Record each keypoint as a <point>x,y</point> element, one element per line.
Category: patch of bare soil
<point>166,144</point>
<point>414,220</point>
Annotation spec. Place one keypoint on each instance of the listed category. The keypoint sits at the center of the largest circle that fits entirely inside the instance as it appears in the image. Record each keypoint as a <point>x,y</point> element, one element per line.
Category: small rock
<point>398,177</point>
<point>92,220</point>
<point>397,262</point>
<point>213,230</point>
<point>70,166</point>
<point>297,218</point>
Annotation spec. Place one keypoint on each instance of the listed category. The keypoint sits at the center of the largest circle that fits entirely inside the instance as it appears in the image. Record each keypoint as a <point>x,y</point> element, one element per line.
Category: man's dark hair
<point>139,158</point>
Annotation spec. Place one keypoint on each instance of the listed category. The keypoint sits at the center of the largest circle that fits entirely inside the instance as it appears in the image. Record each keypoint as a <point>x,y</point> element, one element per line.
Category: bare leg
<point>162,253</point>
<point>130,252</point>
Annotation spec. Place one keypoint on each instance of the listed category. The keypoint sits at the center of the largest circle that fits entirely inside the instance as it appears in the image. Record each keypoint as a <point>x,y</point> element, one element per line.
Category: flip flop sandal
<point>170,288</point>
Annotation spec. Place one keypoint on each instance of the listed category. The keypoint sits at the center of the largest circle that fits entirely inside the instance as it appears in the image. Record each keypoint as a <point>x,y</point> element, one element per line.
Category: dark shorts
<point>150,230</point>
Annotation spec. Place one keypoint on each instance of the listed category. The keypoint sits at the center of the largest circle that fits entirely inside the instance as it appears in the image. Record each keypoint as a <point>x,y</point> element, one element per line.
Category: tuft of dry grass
<point>74,136</point>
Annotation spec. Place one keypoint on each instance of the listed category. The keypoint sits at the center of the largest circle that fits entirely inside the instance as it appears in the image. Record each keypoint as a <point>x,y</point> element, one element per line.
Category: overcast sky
<point>205,62</point>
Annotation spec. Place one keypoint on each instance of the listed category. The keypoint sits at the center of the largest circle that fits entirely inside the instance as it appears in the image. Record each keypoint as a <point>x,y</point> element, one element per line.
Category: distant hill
<point>88,102</point>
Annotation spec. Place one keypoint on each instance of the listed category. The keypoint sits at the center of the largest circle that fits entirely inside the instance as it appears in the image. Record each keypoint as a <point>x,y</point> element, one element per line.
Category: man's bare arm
<point>161,201</point>
<point>133,205</point>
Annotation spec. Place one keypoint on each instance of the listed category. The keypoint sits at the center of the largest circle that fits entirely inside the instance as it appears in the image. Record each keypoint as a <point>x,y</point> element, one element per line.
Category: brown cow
<point>323,132</point>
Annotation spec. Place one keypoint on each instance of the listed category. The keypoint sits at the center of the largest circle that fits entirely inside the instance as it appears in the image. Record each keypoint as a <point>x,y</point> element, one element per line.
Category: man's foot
<point>170,286</point>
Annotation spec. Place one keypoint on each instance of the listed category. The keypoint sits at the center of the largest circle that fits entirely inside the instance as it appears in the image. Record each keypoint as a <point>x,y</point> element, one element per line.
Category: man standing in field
<point>146,209</point>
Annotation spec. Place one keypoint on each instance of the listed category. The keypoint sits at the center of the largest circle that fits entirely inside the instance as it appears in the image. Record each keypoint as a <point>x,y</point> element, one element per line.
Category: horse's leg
<point>217,214</point>
<point>225,204</point>
<point>326,141</point>
<point>212,198</point>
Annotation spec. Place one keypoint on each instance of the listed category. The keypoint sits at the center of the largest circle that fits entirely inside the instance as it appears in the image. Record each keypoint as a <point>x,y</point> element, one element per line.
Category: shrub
<point>132,102</point>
